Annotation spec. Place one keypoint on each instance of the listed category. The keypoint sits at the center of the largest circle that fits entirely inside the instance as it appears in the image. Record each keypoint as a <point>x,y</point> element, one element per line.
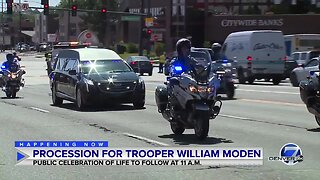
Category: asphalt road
<point>262,115</point>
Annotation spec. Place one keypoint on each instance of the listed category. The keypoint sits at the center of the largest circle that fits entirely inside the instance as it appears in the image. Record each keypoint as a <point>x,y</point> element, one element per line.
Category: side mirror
<point>72,72</point>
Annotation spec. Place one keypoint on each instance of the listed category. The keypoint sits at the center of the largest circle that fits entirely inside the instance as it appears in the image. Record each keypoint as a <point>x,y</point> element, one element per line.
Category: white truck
<point>301,42</point>
<point>258,54</point>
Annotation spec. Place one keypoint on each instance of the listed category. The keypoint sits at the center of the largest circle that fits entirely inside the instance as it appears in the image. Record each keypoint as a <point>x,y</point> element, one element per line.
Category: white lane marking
<point>145,139</point>
<point>273,102</point>
<point>234,117</point>
<point>274,92</point>
<point>40,110</point>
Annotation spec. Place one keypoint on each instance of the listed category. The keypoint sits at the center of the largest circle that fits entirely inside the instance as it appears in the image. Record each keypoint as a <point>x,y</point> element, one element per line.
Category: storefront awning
<point>28,33</point>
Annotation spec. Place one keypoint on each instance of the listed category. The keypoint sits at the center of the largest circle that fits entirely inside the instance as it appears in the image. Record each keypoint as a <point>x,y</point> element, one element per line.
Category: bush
<point>132,48</point>
<point>121,49</point>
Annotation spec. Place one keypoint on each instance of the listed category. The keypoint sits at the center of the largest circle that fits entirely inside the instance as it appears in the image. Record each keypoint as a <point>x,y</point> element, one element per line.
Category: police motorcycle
<point>192,101</point>
<point>310,94</point>
<point>224,71</point>
<point>11,80</point>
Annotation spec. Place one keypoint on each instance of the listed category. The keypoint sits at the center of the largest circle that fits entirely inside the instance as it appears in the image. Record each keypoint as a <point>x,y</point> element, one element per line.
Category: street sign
<point>18,7</point>
<point>157,37</point>
<point>149,22</point>
<point>52,37</point>
<point>130,18</point>
<point>88,35</point>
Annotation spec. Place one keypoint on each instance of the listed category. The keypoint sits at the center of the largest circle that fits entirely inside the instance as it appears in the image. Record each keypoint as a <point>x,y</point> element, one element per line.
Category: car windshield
<point>104,66</point>
<point>140,58</point>
<point>314,54</point>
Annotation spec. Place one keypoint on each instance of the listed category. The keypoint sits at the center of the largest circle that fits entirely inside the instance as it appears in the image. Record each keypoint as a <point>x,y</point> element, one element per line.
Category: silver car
<point>301,73</point>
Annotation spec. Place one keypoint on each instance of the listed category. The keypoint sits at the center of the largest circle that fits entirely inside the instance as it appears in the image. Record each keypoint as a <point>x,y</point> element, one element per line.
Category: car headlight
<point>88,81</point>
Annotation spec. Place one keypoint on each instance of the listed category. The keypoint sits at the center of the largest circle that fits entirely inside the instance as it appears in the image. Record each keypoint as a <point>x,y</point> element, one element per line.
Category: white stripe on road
<point>274,92</point>
<point>38,109</point>
<point>273,102</point>
<point>145,139</point>
<point>234,117</point>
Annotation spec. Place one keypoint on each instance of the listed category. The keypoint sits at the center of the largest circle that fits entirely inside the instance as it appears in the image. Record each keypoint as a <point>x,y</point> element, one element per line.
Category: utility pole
<point>2,28</point>
<point>148,40</point>
<point>68,31</point>
<point>141,29</point>
<point>20,16</point>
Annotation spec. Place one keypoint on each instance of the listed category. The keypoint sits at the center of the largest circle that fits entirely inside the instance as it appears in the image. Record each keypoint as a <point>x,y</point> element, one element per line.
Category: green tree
<point>95,21</point>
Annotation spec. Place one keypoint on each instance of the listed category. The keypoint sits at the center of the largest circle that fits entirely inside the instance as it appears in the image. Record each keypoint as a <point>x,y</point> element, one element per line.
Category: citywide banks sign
<point>98,153</point>
<point>220,26</point>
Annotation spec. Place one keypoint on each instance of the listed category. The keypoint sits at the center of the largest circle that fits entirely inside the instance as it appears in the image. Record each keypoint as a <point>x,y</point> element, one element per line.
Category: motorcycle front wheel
<point>8,94</point>
<point>317,120</point>
<point>177,128</point>
<point>201,126</point>
<point>14,94</point>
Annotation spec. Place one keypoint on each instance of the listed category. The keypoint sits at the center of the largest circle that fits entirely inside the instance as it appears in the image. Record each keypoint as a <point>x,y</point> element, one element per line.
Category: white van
<point>259,54</point>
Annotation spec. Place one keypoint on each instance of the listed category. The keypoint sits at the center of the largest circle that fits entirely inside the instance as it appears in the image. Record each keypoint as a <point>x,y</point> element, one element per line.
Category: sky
<point>36,3</point>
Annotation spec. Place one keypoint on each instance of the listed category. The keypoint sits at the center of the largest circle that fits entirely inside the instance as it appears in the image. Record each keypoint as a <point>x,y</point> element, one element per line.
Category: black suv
<point>88,75</point>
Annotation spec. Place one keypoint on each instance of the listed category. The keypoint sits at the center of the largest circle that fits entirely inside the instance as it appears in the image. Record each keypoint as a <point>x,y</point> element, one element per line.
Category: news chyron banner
<point>98,153</point>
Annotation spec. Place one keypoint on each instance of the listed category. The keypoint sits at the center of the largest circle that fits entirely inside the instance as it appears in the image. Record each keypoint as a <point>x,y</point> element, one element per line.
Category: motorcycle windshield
<point>203,67</point>
<point>202,73</point>
<point>13,68</point>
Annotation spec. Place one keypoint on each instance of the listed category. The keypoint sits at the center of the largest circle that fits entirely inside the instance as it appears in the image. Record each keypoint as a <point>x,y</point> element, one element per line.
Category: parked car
<point>43,47</point>
<point>301,73</point>
<point>304,57</point>
<point>141,64</point>
<point>21,47</point>
<point>259,54</point>
<point>88,75</point>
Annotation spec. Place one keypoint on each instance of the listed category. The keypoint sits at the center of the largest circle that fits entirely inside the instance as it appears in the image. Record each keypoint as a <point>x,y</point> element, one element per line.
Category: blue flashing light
<point>178,68</point>
<point>225,61</point>
<point>3,67</point>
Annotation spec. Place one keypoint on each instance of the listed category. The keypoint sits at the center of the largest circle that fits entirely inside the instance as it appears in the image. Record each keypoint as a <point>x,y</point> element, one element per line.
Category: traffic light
<point>104,10</point>
<point>46,9</point>
<point>74,9</point>
<point>44,2</point>
<point>148,34</point>
<point>9,7</point>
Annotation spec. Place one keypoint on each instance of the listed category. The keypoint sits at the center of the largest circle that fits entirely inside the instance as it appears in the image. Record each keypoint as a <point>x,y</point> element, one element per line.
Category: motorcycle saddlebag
<point>161,96</point>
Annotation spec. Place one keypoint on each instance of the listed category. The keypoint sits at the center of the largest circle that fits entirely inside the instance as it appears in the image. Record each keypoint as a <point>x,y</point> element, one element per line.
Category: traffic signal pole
<point>20,16</point>
<point>141,29</point>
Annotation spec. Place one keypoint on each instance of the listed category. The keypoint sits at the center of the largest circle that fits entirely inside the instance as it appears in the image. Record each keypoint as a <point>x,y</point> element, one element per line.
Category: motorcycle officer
<point>11,63</point>
<point>216,47</point>
<point>183,47</point>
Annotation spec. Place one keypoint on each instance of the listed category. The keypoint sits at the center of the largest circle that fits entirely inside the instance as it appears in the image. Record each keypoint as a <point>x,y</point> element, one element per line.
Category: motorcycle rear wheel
<point>201,126</point>
<point>317,120</point>
<point>177,128</point>
<point>14,94</point>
